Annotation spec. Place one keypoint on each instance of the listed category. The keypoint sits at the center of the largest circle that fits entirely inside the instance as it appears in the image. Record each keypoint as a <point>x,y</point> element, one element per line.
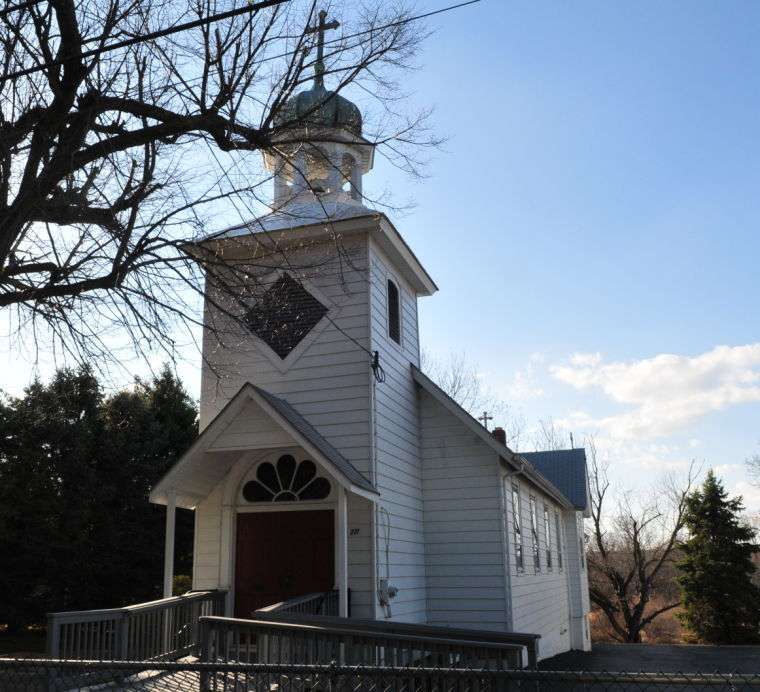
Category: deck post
<point>342,550</point>
<point>171,514</point>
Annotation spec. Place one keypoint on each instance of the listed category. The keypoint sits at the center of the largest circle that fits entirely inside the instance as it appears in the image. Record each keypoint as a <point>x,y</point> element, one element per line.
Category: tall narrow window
<point>547,538</point>
<point>394,313</point>
<point>534,532</point>
<point>558,533</point>
<point>581,542</point>
<point>516,527</point>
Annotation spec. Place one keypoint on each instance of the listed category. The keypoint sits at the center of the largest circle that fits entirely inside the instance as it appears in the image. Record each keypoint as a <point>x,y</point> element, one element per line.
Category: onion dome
<point>319,107</point>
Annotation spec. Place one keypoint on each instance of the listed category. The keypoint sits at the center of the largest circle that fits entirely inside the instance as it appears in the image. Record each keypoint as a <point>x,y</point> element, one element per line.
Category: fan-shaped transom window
<point>286,481</point>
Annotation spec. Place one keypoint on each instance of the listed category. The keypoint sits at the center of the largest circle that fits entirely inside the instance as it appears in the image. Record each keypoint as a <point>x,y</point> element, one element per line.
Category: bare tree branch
<point>630,547</point>
<point>106,181</point>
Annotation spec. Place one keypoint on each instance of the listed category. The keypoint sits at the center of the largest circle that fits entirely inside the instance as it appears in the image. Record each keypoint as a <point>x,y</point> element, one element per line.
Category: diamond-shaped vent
<point>286,313</point>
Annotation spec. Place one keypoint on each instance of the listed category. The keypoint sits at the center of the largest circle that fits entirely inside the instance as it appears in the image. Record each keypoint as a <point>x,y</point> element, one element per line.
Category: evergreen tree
<point>76,528</point>
<point>48,484</point>
<point>720,603</point>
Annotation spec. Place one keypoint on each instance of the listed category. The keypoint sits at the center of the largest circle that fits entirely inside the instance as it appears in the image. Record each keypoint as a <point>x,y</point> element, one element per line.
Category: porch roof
<point>199,469</point>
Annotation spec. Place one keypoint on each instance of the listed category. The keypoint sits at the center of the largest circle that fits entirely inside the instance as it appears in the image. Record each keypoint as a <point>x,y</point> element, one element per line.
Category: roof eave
<point>384,232</point>
<point>163,488</point>
<point>517,462</point>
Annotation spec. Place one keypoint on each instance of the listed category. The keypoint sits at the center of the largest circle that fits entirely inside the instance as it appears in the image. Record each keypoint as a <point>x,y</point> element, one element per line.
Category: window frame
<point>534,532</point>
<point>581,541</point>
<point>548,538</point>
<point>558,531</point>
<point>390,281</point>
<point>517,526</point>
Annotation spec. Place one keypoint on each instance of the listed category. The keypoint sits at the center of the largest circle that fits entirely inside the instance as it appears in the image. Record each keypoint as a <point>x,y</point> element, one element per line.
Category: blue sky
<point>598,195</point>
<point>592,221</point>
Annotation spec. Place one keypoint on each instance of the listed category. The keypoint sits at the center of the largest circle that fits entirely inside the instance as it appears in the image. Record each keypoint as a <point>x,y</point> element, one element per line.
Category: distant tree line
<point>76,466</point>
<point>687,551</point>
<point>683,558</point>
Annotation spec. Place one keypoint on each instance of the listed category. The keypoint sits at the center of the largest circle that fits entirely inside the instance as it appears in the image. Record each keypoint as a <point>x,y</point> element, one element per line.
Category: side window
<point>581,542</point>
<point>516,527</point>
<point>534,532</point>
<point>558,533</point>
<point>548,538</point>
<point>394,312</point>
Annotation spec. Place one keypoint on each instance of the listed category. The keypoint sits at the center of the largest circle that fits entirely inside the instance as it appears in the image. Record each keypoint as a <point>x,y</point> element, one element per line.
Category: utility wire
<point>377,369</point>
<point>160,33</point>
<point>224,15</point>
<point>374,29</point>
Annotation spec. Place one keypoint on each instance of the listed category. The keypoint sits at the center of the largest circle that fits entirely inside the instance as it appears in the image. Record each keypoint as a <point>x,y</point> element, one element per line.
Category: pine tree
<point>76,528</point>
<point>720,603</point>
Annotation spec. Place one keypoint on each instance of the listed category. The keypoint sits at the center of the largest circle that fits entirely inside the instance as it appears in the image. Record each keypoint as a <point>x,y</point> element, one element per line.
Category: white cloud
<point>725,469</point>
<point>749,492</point>
<point>665,393</point>
<point>524,384</point>
<point>585,359</point>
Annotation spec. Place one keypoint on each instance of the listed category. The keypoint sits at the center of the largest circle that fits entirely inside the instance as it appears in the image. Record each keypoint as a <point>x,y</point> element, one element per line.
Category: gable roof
<point>309,433</point>
<point>308,221</point>
<point>190,491</point>
<point>566,468</point>
<point>517,461</point>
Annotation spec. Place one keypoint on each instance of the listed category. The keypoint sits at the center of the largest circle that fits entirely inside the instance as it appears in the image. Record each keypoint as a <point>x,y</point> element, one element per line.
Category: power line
<point>160,33</point>
<point>377,369</point>
<point>225,15</point>
<point>372,30</point>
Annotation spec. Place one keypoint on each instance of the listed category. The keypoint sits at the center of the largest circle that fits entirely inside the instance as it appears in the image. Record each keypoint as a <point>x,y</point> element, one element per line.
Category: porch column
<point>171,513</point>
<point>342,549</point>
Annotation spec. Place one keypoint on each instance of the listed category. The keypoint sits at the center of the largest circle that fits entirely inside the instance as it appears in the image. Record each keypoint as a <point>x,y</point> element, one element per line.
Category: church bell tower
<point>323,156</point>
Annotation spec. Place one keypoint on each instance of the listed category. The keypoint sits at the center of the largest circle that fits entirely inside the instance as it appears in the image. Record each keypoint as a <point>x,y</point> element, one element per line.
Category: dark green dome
<point>318,107</point>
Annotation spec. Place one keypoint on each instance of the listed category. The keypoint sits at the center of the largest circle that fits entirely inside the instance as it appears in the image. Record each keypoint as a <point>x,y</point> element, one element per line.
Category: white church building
<point>329,461</point>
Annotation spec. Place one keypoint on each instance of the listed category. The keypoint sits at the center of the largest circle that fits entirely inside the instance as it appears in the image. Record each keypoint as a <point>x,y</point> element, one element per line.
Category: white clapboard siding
<point>329,383</point>
<point>464,546</point>
<point>360,563</point>
<point>539,596</point>
<point>578,581</point>
<point>208,539</point>
<point>398,466</point>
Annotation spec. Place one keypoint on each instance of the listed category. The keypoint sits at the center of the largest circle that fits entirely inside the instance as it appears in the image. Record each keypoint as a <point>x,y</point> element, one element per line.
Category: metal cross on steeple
<point>319,29</point>
<point>485,418</point>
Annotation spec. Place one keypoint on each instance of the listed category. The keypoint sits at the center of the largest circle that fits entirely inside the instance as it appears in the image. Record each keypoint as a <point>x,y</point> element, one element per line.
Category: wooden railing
<point>269,641</point>
<point>320,603</point>
<point>166,629</point>
<point>530,642</point>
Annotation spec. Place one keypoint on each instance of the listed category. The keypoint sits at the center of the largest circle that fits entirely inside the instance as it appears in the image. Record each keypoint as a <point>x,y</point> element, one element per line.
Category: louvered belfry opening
<point>284,315</point>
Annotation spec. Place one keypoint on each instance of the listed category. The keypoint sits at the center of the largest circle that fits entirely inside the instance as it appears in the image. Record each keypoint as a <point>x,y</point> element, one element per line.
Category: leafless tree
<point>460,379</point>
<point>753,467</point>
<point>123,140</point>
<point>549,436</point>
<point>631,550</point>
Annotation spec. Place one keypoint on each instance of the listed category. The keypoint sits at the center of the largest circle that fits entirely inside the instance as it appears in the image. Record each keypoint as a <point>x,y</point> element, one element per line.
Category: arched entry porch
<point>260,457</point>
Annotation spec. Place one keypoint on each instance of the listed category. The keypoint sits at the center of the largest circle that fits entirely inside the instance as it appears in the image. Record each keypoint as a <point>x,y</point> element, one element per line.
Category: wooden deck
<point>653,658</point>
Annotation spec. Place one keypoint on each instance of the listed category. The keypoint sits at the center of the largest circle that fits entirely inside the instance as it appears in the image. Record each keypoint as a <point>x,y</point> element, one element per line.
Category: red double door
<point>280,555</point>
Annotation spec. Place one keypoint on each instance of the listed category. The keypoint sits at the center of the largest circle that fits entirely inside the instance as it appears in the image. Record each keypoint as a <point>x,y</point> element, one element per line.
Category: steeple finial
<point>319,29</point>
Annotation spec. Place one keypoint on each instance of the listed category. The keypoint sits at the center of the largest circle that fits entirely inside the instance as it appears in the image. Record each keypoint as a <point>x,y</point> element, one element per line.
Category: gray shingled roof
<point>565,468</point>
<point>307,430</point>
